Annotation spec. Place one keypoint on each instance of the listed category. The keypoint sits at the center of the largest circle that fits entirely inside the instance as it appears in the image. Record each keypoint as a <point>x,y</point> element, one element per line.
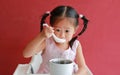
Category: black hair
<point>65,12</point>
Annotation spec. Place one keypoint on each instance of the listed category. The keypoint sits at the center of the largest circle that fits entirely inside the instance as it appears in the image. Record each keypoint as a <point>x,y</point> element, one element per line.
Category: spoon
<point>58,40</point>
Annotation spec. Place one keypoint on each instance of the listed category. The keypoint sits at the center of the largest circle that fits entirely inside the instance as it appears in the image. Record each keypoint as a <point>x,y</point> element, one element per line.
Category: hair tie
<point>81,15</point>
<point>47,12</point>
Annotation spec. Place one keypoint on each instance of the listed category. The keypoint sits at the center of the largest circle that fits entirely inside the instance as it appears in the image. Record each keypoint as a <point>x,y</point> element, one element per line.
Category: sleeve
<point>75,45</point>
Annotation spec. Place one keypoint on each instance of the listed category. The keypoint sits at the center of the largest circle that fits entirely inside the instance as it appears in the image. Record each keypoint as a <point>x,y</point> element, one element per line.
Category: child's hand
<point>48,31</point>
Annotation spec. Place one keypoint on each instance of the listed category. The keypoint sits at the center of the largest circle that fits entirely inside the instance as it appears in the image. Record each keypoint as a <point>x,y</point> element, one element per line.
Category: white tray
<point>22,69</point>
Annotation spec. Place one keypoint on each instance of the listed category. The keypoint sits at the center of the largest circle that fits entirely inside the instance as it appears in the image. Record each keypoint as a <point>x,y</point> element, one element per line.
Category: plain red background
<point>19,23</point>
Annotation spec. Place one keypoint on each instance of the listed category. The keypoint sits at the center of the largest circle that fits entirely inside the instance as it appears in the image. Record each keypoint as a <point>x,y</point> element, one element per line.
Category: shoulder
<point>76,43</point>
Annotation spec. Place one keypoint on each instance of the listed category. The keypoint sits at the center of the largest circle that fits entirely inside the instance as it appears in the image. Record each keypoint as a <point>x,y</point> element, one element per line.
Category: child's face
<point>64,29</point>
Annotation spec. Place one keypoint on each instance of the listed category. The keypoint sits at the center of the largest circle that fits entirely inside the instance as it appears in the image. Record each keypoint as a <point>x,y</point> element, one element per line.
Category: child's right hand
<point>48,31</point>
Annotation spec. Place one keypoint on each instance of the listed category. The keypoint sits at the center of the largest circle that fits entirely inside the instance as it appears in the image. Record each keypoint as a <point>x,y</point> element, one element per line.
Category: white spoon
<point>58,40</point>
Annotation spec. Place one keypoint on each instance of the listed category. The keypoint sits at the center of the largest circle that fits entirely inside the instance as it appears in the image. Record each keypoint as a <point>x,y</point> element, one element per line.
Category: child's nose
<point>62,35</point>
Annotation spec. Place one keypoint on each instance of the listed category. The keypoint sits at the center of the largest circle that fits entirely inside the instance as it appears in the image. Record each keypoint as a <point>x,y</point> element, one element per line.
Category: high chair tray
<point>22,69</point>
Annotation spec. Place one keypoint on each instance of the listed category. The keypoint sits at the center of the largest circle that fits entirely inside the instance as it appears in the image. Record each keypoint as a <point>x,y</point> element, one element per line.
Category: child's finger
<point>50,29</point>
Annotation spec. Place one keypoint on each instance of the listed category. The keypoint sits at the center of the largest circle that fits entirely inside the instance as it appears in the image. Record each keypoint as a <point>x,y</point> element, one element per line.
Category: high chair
<point>31,68</point>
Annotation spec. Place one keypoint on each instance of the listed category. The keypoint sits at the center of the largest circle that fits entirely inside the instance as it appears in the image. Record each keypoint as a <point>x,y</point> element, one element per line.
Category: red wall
<point>19,23</point>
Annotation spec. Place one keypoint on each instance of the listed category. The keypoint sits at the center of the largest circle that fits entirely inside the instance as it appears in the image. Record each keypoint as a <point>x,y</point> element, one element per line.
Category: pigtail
<point>85,22</point>
<point>45,15</point>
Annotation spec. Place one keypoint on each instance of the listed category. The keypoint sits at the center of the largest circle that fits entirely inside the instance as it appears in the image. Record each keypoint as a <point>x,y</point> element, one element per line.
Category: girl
<point>63,23</point>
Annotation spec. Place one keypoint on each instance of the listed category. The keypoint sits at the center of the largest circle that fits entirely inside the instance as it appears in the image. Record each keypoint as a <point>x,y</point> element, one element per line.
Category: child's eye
<point>58,30</point>
<point>66,30</point>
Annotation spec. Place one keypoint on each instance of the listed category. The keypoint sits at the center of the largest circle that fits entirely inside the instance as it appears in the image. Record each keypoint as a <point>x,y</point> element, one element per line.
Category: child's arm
<point>35,46</point>
<point>83,69</point>
<point>38,43</point>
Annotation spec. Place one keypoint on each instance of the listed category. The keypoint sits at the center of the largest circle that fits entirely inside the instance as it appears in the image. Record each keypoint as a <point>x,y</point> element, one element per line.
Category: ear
<point>76,28</point>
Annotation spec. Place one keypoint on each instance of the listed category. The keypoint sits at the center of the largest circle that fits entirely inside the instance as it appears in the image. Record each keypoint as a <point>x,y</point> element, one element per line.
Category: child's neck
<point>63,46</point>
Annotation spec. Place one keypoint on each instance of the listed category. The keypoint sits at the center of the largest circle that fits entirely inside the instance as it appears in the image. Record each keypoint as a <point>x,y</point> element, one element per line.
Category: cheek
<point>69,37</point>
